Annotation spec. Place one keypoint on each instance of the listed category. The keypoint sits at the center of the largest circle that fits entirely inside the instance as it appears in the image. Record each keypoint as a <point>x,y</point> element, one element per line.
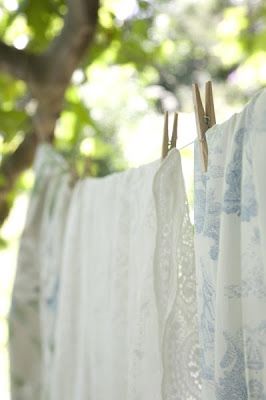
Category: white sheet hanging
<point>230,243</point>
<point>113,261</point>
<point>32,314</point>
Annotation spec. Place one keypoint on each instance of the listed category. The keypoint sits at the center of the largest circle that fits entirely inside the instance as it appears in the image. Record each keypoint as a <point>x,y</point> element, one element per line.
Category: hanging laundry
<point>32,314</point>
<point>104,302</point>
<point>230,243</point>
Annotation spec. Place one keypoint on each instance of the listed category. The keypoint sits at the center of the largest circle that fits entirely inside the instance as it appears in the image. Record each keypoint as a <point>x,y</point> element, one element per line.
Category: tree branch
<point>14,62</point>
<point>70,45</point>
<point>47,75</point>
<point>63,54</point>
<point>51,71</point>
<point>11,167</point>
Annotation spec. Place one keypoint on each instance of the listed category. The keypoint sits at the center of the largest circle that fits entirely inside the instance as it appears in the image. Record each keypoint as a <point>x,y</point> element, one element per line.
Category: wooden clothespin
<point>169,145</point>
<point>205,119</point>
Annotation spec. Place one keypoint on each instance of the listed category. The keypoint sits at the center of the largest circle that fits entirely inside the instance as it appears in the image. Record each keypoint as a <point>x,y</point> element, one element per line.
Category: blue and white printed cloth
<point>230,251</point>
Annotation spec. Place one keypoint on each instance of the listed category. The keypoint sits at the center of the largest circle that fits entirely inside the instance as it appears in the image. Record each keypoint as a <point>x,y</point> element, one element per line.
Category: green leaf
<point>11,122</point>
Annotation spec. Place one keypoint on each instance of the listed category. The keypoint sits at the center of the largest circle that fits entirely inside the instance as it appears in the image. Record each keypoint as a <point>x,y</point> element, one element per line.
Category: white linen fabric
<point>230,243</point>
<point>32,314</point>
<point>108,266</point>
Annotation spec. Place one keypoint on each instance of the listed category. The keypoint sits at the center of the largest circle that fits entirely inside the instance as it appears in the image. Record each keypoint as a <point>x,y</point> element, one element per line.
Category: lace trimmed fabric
<point>175,284</point>
<point>104,298</point>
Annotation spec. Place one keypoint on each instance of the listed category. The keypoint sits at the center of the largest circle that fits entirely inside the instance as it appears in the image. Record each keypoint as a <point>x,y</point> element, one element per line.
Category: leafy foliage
<point>139,45</point>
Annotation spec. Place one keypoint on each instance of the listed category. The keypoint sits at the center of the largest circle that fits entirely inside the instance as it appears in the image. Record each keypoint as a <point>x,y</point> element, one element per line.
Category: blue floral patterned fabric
<point>230,249</point>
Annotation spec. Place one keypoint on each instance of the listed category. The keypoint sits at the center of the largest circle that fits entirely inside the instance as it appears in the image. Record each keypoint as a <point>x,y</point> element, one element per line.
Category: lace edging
<point>175,285</point>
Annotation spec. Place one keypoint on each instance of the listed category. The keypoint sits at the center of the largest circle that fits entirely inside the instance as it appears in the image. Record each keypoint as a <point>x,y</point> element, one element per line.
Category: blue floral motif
<point>234,384</point>
<point>208,209</point>
<point>200,210</point>
<point>253,280</point>
<point>255,341</point>
<point>207,321</point>
<point>256,390</point>
<point>212,224</point>
<point>51,300</point>
<point>232,197</point>
<point>200,195</point>
<point>249,207</point>
<point>251,285</point>
<point>239,198</point>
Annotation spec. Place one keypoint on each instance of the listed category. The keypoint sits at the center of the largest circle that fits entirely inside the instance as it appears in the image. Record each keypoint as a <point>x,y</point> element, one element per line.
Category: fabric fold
<point>33,309</point>
<point>111,338</point>
<point>175,285</point>
<point>113,263</point>
<point>230,239</point>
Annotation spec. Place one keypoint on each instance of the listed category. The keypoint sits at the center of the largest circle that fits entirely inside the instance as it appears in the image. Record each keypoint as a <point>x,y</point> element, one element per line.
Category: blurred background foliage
<point>145,56</point>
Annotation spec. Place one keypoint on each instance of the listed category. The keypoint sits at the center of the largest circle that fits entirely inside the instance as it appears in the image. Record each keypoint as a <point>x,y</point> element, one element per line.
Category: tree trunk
<point>47,76</point>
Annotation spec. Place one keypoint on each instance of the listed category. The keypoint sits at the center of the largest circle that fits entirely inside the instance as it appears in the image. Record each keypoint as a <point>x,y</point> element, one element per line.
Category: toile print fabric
<point>230,251</point>
<point>104,301</point>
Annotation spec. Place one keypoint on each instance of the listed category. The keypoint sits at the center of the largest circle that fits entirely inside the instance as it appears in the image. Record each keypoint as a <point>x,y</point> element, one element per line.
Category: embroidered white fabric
<point>104,299</point>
